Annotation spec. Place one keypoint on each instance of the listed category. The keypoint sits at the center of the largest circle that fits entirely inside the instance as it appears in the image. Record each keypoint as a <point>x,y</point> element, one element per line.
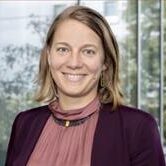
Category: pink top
<point>66,146</point>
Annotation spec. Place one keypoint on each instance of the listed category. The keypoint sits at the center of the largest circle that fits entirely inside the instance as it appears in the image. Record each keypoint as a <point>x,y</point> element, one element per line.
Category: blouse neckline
<point>74,114</point>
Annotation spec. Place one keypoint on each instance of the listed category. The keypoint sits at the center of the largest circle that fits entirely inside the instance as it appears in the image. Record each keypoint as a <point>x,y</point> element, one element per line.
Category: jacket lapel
<point>100,148</point>
<point>34,132</point>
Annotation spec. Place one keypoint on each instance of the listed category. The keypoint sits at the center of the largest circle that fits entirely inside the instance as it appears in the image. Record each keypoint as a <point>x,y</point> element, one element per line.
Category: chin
<point>73,94</point>
<point>76,92</point>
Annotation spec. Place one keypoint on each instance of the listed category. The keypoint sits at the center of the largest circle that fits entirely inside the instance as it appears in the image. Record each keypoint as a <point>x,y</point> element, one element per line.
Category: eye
<point>62,50</point>
<point>89,52</point>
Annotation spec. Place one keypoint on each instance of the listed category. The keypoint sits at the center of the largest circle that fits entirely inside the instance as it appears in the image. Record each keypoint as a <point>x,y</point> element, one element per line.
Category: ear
<point>104,67</point>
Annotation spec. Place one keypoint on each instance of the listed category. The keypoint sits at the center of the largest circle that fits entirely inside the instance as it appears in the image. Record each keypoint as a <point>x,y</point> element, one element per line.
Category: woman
<point>85,122</point>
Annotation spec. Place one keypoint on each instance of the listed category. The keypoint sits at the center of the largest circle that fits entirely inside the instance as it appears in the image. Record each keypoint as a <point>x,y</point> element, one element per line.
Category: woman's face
<point>76,60</point>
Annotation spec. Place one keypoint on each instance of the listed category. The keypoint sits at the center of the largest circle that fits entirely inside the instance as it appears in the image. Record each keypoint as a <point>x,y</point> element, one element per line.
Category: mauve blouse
<point>66,146</point>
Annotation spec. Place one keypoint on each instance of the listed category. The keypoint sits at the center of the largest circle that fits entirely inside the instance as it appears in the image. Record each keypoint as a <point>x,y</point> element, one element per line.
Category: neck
<point>71,103</point>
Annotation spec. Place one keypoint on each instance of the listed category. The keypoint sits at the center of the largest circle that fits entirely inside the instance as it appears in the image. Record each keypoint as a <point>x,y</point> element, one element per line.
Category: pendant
<point>67,123</point>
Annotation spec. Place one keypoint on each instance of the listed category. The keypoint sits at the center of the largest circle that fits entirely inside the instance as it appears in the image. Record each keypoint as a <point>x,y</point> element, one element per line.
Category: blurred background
<point>139,26</point>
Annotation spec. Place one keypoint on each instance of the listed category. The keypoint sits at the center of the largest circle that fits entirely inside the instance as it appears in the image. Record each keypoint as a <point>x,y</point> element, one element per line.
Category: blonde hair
<point>109,90</point>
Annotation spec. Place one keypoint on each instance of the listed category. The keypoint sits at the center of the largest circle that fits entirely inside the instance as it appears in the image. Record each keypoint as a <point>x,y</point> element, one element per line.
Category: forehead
<point>74,30</point>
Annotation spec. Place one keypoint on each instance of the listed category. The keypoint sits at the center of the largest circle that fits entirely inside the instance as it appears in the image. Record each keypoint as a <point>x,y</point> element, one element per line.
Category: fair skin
<point>76,62</point>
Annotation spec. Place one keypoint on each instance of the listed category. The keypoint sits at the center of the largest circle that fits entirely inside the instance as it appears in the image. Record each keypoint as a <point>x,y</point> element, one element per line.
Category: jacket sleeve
<point>12,146</point>
<point>147,149</point>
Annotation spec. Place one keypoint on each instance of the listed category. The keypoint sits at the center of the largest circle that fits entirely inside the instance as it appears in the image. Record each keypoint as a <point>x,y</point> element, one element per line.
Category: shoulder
<point>32,114</point>
<point>128,112</point>
<point>37,110</point>
<point>139,128</point>
<point>135,115</point>
<point>27,126</point>
<point>130,117</point>
<point>143,136</point>
<point>33,119</point>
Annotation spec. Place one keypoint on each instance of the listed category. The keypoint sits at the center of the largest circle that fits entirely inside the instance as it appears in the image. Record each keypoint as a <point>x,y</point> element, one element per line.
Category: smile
<point>74,77</point>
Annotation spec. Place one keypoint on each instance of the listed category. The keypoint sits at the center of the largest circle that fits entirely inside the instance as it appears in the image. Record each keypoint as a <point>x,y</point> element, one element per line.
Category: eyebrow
<point>85,45</point>
<point>62,43</point>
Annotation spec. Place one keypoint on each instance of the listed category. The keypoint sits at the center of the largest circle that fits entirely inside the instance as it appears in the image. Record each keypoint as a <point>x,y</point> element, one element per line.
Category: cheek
<point>97,64</point>
<point>55,64</point>
<point>95,67</point>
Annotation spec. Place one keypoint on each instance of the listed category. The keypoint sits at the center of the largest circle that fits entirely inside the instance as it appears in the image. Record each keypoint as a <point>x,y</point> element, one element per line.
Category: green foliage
<point>17,72</point>
<point>129,51</point>
<point>150,53</point>
<point>17,83</point>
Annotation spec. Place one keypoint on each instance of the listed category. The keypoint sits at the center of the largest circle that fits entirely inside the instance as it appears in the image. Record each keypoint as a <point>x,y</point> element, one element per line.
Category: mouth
<point>74,77</point>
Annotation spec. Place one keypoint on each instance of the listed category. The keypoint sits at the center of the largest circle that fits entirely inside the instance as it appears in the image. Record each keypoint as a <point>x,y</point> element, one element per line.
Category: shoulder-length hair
<point>109,86</point>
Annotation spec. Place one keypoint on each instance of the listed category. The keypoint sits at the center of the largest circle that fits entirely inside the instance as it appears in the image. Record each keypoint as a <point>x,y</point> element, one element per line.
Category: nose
<point>74,61</point>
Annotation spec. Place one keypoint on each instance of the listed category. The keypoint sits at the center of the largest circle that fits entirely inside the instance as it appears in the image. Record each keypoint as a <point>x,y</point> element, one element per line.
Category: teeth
<point>74,77</point>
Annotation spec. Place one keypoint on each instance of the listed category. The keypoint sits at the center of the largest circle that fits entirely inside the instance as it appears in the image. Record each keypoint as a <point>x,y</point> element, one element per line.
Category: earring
<point>102,81</point>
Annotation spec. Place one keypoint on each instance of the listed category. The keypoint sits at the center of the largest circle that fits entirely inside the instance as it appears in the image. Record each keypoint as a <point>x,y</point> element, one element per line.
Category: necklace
<point>69,123</point>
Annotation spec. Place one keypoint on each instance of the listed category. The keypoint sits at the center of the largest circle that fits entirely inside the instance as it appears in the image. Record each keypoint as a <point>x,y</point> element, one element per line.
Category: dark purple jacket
<point>125,137</point>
